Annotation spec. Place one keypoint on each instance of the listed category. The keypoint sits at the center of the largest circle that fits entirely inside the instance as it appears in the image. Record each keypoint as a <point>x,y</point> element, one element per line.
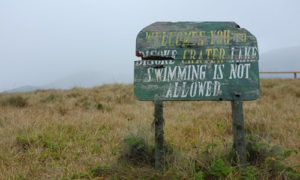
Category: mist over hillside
<point>286,59</point>
<point>82,79</point>
<point>88,79</point>
<point>278,60</point>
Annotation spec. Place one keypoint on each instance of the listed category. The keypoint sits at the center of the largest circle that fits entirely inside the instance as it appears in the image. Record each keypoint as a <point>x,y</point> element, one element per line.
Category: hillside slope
<point>81,134</point>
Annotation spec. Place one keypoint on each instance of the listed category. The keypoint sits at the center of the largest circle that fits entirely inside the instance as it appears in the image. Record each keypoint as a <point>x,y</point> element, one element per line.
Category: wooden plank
<point>196,80</point>
<point>197,61</point>
<point>196,41</point>
<point>210,61</point>
<point>159,133</point>
<point>239,143</point>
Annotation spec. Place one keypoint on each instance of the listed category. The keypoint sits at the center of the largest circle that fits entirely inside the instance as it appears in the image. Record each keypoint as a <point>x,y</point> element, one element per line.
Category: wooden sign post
<point>197,61</point>
<point>159,133</point>
<point>239,143</point>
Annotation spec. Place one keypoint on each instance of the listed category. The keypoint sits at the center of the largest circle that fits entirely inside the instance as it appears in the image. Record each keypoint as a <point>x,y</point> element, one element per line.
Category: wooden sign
<point>196,61</point>
<point>196,41</point>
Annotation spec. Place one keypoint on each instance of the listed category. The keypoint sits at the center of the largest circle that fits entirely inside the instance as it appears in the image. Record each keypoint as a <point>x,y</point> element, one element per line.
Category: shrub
<point>25,141</point>
<point>99,171</point>
<point>270,159</point>
<point>219,169</point>
<point>250,173</point>
<point>100,106</point>
<point>62,110</point>
<point>257,150</point>
<point>15,101</point>
<point>264,161</point>
<point>50,98</point>
<point>138,151</point>
<point>199,176</point>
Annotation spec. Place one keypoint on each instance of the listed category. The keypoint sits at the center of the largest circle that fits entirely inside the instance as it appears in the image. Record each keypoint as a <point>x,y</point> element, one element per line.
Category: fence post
<point>295,75</point>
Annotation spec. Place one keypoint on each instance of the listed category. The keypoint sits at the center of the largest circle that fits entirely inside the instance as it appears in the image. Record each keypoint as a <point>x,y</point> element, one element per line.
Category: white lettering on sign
<point>198,88</point>
<point>167,74</point>
<point>218,71</point>
<point>193,80</point>
<point>239,71</point>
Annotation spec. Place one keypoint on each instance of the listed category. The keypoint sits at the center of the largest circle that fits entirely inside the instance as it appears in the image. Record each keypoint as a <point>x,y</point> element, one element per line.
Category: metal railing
<point>295,73</point>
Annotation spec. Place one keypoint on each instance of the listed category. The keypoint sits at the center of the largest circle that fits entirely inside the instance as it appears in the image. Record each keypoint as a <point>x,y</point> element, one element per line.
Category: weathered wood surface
<point>239,143</point>
<point>172,80</point>
<point>194,40</point>
<point>196,61</point>
<point>159,133</point>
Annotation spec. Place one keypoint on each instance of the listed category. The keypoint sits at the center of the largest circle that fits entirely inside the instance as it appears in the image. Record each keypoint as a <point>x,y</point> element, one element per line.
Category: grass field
<point>105,133</point>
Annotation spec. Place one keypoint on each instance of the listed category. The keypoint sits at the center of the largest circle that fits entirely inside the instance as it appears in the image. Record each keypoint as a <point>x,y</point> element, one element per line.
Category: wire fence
<point>293,73</point>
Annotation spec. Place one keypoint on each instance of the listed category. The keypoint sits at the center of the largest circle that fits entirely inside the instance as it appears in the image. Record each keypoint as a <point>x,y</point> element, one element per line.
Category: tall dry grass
<point>79,133</point>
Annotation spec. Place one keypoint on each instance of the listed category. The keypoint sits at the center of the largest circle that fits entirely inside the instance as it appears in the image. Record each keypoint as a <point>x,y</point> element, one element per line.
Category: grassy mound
<point>104,132</point>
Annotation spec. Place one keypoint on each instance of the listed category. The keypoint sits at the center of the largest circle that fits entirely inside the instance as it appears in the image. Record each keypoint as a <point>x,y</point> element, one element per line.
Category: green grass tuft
<point>138,151</point>
<point>14,101</point>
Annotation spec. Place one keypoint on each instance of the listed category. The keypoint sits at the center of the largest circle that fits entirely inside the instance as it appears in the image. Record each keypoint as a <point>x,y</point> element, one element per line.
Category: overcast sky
<point>44,40</point>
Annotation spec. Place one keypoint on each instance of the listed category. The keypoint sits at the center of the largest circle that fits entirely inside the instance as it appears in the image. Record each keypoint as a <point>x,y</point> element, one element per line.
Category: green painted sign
<point>196,61</point>
<point>196,41</point>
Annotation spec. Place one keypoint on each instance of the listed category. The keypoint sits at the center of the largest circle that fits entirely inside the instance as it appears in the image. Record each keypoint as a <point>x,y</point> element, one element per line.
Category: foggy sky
<point>45,40</point>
